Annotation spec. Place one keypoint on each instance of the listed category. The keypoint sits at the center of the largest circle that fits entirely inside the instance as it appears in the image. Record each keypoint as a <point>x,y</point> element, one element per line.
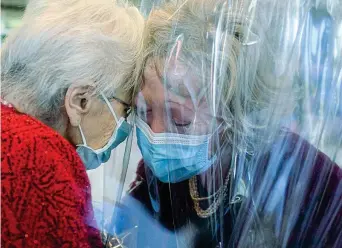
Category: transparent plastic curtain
<point>109,182</point>
<point>239,121</point>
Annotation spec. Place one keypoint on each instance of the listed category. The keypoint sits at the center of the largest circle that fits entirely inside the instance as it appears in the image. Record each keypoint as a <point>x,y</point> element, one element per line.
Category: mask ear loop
<point>110,108</point>
<point>82,135</point>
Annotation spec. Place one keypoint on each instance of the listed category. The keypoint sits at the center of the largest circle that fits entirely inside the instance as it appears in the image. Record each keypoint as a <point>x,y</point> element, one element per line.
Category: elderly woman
<point>67,76</point>
<point>216,170</point>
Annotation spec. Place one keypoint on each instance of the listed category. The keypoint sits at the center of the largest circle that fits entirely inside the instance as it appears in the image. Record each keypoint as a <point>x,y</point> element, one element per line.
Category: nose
<point>157,124</point>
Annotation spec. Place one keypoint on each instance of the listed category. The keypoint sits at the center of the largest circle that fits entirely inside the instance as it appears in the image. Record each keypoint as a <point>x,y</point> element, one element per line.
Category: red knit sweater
<point>45,191</point>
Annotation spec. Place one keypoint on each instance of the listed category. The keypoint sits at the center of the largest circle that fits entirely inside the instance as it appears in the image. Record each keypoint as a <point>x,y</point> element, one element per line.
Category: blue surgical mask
<point>173,157</point>
<point>94,158</point>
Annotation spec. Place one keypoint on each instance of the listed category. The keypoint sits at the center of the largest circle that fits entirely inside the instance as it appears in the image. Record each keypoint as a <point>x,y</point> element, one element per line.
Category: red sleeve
<point>45,194</point>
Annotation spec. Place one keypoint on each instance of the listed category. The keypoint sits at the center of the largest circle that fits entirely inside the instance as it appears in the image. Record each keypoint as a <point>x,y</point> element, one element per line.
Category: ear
<point>78,101</point>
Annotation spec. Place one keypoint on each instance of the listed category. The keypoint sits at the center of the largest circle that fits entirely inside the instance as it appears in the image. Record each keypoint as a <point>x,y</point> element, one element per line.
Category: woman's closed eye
<point>182,124</point>
<point>182,117</point>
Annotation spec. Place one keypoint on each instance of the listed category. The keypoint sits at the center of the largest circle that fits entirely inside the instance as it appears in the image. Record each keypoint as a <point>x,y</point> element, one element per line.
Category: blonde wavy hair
<point>232,57</point>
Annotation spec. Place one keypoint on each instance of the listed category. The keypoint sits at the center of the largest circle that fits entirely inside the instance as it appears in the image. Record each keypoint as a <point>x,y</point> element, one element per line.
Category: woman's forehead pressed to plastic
<point>176,77</point>
<point>175,98</point>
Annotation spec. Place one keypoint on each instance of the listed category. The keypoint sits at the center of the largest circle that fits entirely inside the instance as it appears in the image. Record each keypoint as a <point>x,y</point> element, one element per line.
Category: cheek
<point>109,127</point>
<point>103,128</point>
<point>119,110</point>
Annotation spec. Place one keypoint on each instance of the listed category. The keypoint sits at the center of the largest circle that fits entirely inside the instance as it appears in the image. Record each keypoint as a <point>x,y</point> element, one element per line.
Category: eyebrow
<point>179,90</point>
<point>172,96</point>
<point>185,101</point>
<point>177,97</point>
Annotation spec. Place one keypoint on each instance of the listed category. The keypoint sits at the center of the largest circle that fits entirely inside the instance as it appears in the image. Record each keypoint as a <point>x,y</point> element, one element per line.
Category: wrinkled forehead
<point>175,79</point>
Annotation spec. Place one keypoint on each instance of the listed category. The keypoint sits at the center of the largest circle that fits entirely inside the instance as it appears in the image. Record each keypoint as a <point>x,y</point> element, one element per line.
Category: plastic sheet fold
<point>239,122</point>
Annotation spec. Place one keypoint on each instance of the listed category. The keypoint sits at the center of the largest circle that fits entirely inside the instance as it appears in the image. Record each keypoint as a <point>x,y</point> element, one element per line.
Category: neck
<point>215,176</point>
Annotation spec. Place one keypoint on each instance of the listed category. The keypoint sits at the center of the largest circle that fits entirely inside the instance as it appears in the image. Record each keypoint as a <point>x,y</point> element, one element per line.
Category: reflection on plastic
<point>131,219</point>
<point>262,79</point>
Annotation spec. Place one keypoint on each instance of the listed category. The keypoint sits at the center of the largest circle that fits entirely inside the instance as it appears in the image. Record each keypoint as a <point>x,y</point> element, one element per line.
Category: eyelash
<point>144,114</point>
<point>184,125</point>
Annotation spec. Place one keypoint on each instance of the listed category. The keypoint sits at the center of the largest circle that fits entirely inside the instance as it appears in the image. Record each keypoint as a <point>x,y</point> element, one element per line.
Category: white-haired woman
<point>67,76</point>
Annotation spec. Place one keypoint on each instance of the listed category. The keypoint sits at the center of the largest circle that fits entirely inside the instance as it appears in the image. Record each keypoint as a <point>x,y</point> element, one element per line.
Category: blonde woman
<point>67,78</point>
<point>214,159</point>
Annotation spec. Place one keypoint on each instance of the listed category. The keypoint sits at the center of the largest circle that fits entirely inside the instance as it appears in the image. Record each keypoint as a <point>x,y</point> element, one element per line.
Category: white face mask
<point>94,158</point>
